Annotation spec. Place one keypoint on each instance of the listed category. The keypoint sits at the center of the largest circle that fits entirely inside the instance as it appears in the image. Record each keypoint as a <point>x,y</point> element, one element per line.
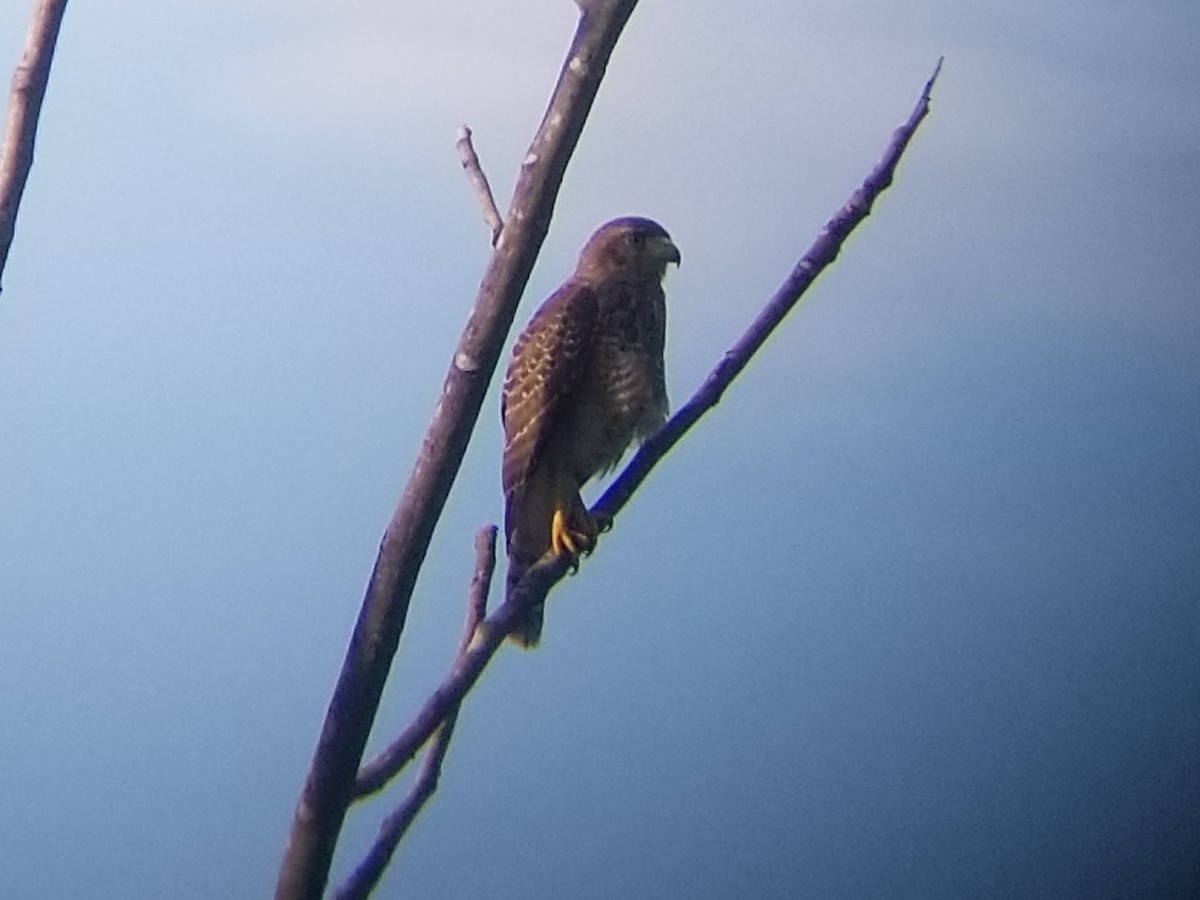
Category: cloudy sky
<point>914,613</point>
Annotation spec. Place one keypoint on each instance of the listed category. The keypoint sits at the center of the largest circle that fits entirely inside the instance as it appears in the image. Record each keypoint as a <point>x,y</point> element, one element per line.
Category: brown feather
<point>548,361</point>
<point>586,379</point>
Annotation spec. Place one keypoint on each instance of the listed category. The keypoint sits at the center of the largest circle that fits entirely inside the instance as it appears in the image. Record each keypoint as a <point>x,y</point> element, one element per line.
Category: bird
<point>586,379</point>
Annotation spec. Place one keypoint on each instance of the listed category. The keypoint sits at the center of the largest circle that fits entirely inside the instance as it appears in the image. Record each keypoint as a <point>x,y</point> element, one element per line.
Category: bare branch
<point>471,165</point>
<point>366,875</point>
<point>24,108</point>
<point>467,669</point>
<point>352,709</point>
<point>541,578</point>
<point>820,254</point>
<point>481,584</point>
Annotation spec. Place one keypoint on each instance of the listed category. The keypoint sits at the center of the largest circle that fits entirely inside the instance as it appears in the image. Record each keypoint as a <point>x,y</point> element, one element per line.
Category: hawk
<point>586,379</point>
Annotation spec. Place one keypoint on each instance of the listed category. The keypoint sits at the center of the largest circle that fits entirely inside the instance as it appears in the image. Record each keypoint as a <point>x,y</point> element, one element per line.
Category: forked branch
<point>540,579</point>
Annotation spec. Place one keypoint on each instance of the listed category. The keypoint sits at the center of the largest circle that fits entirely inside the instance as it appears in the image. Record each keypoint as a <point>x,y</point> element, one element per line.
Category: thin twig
<point>328,788</point>
<point>366,875</point>
<point>24,108</point>
<point>541,578</point>
<point>483,190</point>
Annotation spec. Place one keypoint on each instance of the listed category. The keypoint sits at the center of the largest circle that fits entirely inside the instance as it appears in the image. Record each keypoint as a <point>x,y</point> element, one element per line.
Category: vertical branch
<point>329,786</point>
<point>24,108</point>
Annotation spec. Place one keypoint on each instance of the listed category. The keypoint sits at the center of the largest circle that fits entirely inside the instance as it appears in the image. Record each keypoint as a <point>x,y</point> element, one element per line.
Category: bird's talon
<point>572,542</point>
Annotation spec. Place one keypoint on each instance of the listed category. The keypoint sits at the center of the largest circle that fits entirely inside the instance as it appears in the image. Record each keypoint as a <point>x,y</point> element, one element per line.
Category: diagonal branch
<point>352,709</point>
<point>366,875</point>
<point>467,668</point>
<point>820,254</point>
<point>540,579</point>
<point>24,108</point>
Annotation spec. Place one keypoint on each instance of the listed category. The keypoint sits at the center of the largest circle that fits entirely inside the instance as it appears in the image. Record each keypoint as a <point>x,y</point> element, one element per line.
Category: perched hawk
<point>586,379</point>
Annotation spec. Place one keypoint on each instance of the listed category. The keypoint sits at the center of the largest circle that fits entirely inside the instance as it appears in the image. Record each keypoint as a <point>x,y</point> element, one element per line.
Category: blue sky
<point>913,613</point>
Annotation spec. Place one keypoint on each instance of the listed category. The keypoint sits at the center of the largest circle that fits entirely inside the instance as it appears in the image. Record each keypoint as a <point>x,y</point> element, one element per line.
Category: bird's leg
<point>573,538</point>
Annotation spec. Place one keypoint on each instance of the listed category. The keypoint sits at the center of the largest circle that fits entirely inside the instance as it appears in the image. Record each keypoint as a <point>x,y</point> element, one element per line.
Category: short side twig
<point>483,190</point>
<point>540,579</point>
<point>24,108</point>
<point>366,875</point>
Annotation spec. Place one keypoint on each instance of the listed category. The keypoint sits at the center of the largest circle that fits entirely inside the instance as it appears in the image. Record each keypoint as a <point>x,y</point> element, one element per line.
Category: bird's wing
<point>548,362</point>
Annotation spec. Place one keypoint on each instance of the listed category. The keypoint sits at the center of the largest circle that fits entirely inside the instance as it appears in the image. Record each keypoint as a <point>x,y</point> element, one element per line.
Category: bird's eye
<point>636,238</point>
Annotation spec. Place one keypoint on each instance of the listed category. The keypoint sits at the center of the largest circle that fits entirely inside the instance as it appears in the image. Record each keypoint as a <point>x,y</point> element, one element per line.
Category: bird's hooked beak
<point>666,251</point>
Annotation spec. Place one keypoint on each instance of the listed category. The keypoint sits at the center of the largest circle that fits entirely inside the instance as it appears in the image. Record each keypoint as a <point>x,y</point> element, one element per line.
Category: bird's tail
<point>529,630</point>
<point>528,512</point>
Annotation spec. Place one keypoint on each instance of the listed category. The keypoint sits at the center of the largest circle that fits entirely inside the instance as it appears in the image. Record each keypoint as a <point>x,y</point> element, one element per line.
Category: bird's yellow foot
<point>567,539</point>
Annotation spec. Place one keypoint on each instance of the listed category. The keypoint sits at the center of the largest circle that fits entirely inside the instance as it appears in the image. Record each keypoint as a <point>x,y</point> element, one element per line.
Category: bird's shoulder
<point>561,329</point>
<point>572,306</point>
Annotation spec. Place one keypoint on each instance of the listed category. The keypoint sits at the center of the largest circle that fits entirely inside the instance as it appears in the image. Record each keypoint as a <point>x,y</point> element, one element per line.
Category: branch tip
<point>471,165</point>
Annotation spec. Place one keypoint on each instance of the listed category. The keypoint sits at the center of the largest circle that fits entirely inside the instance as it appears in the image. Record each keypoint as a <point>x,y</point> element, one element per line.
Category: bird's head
<point>630,246</point>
